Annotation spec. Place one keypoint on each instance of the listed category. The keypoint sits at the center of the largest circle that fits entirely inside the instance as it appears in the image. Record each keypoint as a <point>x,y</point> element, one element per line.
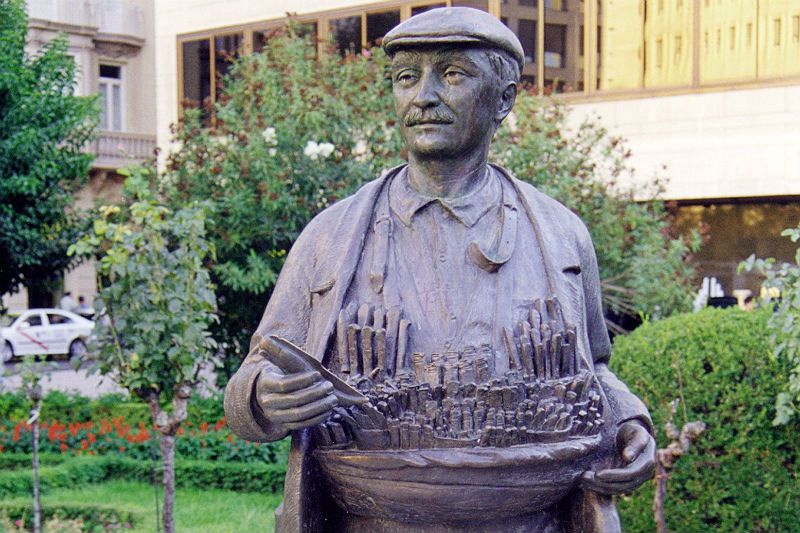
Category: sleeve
<point>287,314</point>
<point>625,405</point>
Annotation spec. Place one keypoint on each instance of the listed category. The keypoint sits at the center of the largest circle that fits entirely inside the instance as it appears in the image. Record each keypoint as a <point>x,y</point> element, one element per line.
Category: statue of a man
<point>453,374</point>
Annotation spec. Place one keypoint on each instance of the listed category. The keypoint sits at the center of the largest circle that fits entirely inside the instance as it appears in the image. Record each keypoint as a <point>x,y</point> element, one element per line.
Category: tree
<point>784,323</point>
<point>43,130</point>
<point>294,132</point>
<point>159,303</point>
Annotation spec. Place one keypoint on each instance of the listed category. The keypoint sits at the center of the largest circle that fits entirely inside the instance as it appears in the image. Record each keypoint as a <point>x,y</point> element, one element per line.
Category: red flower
<point>17,431</point>
<point>63,447</point>
<point>91,438</point>
<point>204,427</point>
<point>220,424</point>
<point>84,444</point>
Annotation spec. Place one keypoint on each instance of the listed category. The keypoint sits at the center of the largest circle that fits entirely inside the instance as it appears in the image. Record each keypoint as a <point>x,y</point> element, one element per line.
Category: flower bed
<point>208,441</point>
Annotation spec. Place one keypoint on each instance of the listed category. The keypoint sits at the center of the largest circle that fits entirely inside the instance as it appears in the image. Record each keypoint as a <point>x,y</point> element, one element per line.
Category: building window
<point>196,73</point>
<point>416,10</point>
<point>346,33</point>
<point>304,30</point>
<point>526,31</point>
<point>555,45</point>
<point>110,86</point>
<point>379,24</point>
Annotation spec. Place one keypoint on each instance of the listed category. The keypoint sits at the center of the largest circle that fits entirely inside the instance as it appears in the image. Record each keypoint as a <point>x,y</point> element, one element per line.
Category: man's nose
<point>428,93</point>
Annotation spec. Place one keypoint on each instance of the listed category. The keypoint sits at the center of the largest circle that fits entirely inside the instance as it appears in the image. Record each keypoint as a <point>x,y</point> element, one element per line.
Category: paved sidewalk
<point>64,379</point>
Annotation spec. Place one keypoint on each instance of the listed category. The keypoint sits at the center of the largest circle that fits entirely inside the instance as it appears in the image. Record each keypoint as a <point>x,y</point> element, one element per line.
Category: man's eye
<point>454,74</point>
<point>405,77</point>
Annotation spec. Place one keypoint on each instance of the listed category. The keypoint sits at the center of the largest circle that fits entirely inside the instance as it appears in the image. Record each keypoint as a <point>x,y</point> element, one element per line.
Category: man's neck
<point>446,178</point>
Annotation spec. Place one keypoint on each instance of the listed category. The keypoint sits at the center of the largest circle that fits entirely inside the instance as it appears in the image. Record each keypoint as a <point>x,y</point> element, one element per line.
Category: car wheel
<point>6,352</point>
<point>77,350</point>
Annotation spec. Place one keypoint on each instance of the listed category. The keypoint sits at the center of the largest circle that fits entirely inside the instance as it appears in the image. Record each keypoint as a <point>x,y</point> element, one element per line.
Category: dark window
<point>422,9</point>
<point>527,36</point>
<point>529,3</point>
<point>196,71</point>
<point>483,5</point>
<point>110,71</point>
<point>58,319</point>
<point>304,30</point>
<point>346,34</point>
<point>555,45</point>
<point>226,50</point>
<point>379,24</point>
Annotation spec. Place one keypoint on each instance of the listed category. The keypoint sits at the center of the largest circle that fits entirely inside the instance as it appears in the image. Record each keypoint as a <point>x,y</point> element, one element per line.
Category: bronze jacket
<point>308,296</point>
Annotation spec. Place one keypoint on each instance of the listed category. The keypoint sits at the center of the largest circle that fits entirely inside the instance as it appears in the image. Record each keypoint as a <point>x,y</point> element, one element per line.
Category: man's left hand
<point>637,449</point>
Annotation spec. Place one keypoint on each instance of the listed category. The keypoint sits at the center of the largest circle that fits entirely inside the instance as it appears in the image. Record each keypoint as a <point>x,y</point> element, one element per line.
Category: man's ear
<point>507,98</point>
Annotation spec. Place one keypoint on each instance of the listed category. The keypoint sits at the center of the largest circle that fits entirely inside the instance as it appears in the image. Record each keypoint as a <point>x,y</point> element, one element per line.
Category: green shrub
<point>82,471</point>
<point>57,405</point>
<point>742,475</point>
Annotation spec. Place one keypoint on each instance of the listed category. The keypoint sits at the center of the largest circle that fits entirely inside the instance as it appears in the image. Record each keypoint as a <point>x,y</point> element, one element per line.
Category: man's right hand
<point>294,401</point>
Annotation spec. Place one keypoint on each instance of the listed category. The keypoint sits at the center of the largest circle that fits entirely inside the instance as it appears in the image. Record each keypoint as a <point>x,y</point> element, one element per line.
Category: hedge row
<point>743,475</point>
<point>69,406</point>
<point>93,517</point>
<point>82,471</point>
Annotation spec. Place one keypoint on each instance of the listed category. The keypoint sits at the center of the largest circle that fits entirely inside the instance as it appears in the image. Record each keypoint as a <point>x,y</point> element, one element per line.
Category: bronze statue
<point>435,343</point>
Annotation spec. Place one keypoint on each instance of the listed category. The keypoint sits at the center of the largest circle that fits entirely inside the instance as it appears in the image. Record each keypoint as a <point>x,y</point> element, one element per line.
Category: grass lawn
<point>196,511</point>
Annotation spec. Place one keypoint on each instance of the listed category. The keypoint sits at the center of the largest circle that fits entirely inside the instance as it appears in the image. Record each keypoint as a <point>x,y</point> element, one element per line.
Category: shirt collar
<point>405,201</point>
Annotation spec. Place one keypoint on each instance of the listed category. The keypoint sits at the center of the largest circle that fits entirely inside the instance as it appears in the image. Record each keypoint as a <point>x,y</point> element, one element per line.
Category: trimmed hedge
<point>94,517</point>
<point>69,406</point>
<point>742,476</point>
<point>81,471</point>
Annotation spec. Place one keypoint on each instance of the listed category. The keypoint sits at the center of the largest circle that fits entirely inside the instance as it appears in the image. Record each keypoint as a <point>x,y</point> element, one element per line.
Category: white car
<point>43,332</point>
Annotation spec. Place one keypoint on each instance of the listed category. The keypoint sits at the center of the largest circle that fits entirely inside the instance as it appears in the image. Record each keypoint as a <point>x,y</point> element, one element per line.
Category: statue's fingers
<point>634,441</point>
<point>274,382</point>
<point>320,389</point>
<point>319,419</point>
<point>639,470</point>
<point>590,482</point>
<point>305,412</point>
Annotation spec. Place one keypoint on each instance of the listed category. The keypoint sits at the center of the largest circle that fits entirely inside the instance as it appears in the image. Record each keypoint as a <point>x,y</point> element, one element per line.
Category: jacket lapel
<point>338,262</point>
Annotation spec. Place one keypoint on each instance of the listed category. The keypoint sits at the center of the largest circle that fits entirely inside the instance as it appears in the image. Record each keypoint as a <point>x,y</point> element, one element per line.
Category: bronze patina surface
<point>435,343</point>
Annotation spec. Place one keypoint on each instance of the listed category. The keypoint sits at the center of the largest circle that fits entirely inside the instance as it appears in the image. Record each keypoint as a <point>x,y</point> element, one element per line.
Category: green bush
<point>68,406</point>
<point>82,471</point>
<point>742,475</point>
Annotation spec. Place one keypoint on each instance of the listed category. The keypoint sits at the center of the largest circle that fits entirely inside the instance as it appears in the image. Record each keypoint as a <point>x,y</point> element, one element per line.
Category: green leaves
<point>781,289</point>
<point>156,289</point>
<point>44,128</point>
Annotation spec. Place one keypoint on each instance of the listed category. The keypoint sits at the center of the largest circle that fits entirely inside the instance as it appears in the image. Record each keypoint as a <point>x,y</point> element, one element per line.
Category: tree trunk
<point>167,426</point>
<point>660,495</point>
<point>168,461</point>
<point>37,506</point>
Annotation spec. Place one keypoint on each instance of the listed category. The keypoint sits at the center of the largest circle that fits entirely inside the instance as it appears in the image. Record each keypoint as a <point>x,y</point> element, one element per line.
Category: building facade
<point>705,92</point>
<point>112,44</point>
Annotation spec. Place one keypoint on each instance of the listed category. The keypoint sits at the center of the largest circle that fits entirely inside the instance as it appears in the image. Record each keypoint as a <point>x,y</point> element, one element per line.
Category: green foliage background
<point>254,157</point>
<point>742,476</point>
<point>43,129</point>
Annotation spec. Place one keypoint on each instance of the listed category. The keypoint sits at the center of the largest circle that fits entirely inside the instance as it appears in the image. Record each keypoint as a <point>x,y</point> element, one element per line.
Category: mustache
<point>429,116</point>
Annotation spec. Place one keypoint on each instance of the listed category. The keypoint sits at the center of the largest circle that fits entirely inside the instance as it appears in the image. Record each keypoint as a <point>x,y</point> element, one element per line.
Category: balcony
<point>116,149</point>
<point>107,17</point>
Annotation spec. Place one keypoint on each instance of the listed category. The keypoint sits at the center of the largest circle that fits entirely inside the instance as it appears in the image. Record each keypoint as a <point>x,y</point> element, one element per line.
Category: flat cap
<point>454,25</point>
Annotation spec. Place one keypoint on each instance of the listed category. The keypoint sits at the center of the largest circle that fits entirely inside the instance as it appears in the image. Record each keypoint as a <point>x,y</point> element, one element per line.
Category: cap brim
<point>422,40</point>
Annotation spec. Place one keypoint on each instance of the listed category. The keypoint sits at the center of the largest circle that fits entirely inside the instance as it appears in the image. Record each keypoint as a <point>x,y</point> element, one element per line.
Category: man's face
<point>446,100</point>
